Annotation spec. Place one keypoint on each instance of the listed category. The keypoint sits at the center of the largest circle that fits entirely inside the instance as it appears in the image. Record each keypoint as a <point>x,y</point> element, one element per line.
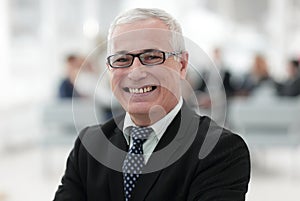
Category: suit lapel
<point>180,133</point>
<point>146,181</point>
<point>177,133</point>
<point>115,136</point>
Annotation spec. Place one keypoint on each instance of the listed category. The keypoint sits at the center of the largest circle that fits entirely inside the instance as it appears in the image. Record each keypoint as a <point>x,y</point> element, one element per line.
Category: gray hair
<point>139,14</point>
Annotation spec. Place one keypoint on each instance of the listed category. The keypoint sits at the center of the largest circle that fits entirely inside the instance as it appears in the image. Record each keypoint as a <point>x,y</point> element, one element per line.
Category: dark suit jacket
<point>210,163</point>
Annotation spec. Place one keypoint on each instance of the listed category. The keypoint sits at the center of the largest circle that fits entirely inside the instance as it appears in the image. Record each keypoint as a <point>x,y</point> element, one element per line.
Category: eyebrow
<point>121,52</point>
<point>141,51</point>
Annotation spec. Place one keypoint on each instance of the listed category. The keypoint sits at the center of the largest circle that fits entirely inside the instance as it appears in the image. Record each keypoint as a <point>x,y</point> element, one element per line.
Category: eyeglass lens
<point>146,58</point>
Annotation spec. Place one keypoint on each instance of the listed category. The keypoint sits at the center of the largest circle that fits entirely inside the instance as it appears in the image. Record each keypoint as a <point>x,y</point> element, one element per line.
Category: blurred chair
<point>267,122</point>
<point>62,120</point>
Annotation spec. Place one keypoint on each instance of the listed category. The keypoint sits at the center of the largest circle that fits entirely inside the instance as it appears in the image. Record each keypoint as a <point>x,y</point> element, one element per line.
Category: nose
<point>136,70</point>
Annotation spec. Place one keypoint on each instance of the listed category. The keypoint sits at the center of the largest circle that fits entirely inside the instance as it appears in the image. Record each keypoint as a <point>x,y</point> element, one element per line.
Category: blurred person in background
<point>291,87</point>
<point>226,76</point>
<point>224,71</point>
<point>256,78</point>
<point>151,152</point>
<point>81,78</point>
<point>66,87</point>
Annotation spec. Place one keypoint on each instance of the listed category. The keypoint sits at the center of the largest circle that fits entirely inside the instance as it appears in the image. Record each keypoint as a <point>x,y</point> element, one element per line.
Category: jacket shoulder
<point>219,140</point>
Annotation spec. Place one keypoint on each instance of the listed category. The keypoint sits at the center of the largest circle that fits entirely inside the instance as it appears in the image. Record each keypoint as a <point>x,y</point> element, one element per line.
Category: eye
<point>118,59</point>
<point>123,59</point>
<point>152,57</point>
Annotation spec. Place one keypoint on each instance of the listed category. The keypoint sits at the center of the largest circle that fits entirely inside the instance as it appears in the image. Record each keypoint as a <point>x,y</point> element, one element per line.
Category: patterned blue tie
<point>134,161</point>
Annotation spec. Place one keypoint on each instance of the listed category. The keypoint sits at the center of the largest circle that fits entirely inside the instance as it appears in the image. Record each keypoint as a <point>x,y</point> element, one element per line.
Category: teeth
<point>140,90</point>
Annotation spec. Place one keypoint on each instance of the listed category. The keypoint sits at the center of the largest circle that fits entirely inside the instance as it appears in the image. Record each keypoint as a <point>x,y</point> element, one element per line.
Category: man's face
<point>144,89</point>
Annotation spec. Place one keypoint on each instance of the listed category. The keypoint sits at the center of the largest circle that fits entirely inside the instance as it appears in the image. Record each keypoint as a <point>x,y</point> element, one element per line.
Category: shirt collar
<point>158,127</point>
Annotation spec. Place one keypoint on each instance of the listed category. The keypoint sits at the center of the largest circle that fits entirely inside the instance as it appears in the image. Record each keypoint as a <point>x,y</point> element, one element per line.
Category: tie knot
<point>140,133</point>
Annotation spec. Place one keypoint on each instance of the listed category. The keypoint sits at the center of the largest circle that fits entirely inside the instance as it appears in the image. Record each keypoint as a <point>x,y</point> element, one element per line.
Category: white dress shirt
<point>158,127</point>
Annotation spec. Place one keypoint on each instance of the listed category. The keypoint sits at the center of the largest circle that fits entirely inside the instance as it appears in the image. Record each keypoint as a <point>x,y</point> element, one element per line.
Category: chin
<point>138,108</point>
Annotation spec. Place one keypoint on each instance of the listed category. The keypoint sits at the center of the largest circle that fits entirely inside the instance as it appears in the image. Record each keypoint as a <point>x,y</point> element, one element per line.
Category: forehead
<point>145,34</point>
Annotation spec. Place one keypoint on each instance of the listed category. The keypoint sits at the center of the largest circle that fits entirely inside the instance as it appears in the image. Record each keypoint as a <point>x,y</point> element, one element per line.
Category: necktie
<point>134,161</point>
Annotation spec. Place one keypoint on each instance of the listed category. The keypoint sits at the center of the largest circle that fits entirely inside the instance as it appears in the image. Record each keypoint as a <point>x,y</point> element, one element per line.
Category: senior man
<point>151,152</point>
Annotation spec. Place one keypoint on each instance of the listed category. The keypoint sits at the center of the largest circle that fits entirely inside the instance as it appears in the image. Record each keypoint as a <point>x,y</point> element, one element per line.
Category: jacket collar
<point>176,140</point>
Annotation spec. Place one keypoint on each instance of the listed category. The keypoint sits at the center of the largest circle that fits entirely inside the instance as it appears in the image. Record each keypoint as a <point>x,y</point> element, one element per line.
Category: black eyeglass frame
<point>166,55</point>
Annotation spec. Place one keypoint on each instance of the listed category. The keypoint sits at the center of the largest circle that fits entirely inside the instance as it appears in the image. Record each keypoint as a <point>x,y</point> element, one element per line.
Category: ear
<point>184,61</point>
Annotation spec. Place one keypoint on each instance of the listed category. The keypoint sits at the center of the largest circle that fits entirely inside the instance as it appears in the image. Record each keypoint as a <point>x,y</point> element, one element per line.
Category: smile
<point>140,90</point>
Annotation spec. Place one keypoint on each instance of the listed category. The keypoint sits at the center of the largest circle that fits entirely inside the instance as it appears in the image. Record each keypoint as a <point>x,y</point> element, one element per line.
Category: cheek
<point>115,79</point>
<point>172,74</point>
<point>169,79</point>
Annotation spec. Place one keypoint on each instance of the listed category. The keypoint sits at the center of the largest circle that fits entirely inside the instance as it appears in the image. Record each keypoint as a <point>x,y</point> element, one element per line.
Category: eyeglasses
<point>147,58</point>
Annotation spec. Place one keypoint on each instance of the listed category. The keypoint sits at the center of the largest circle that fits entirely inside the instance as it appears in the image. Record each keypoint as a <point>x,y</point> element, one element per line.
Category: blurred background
<point>255,46</point>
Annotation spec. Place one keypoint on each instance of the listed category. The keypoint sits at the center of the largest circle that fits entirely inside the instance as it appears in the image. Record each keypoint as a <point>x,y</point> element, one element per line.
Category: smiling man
<point>146,68</point>
<point>152,151</point>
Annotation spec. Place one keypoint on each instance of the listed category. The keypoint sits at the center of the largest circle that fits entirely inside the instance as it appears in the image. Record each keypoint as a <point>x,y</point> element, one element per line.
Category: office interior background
<point>37,129</point>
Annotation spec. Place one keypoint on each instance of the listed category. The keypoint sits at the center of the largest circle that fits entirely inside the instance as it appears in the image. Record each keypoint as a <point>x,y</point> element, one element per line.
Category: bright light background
<point>35,36</point>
